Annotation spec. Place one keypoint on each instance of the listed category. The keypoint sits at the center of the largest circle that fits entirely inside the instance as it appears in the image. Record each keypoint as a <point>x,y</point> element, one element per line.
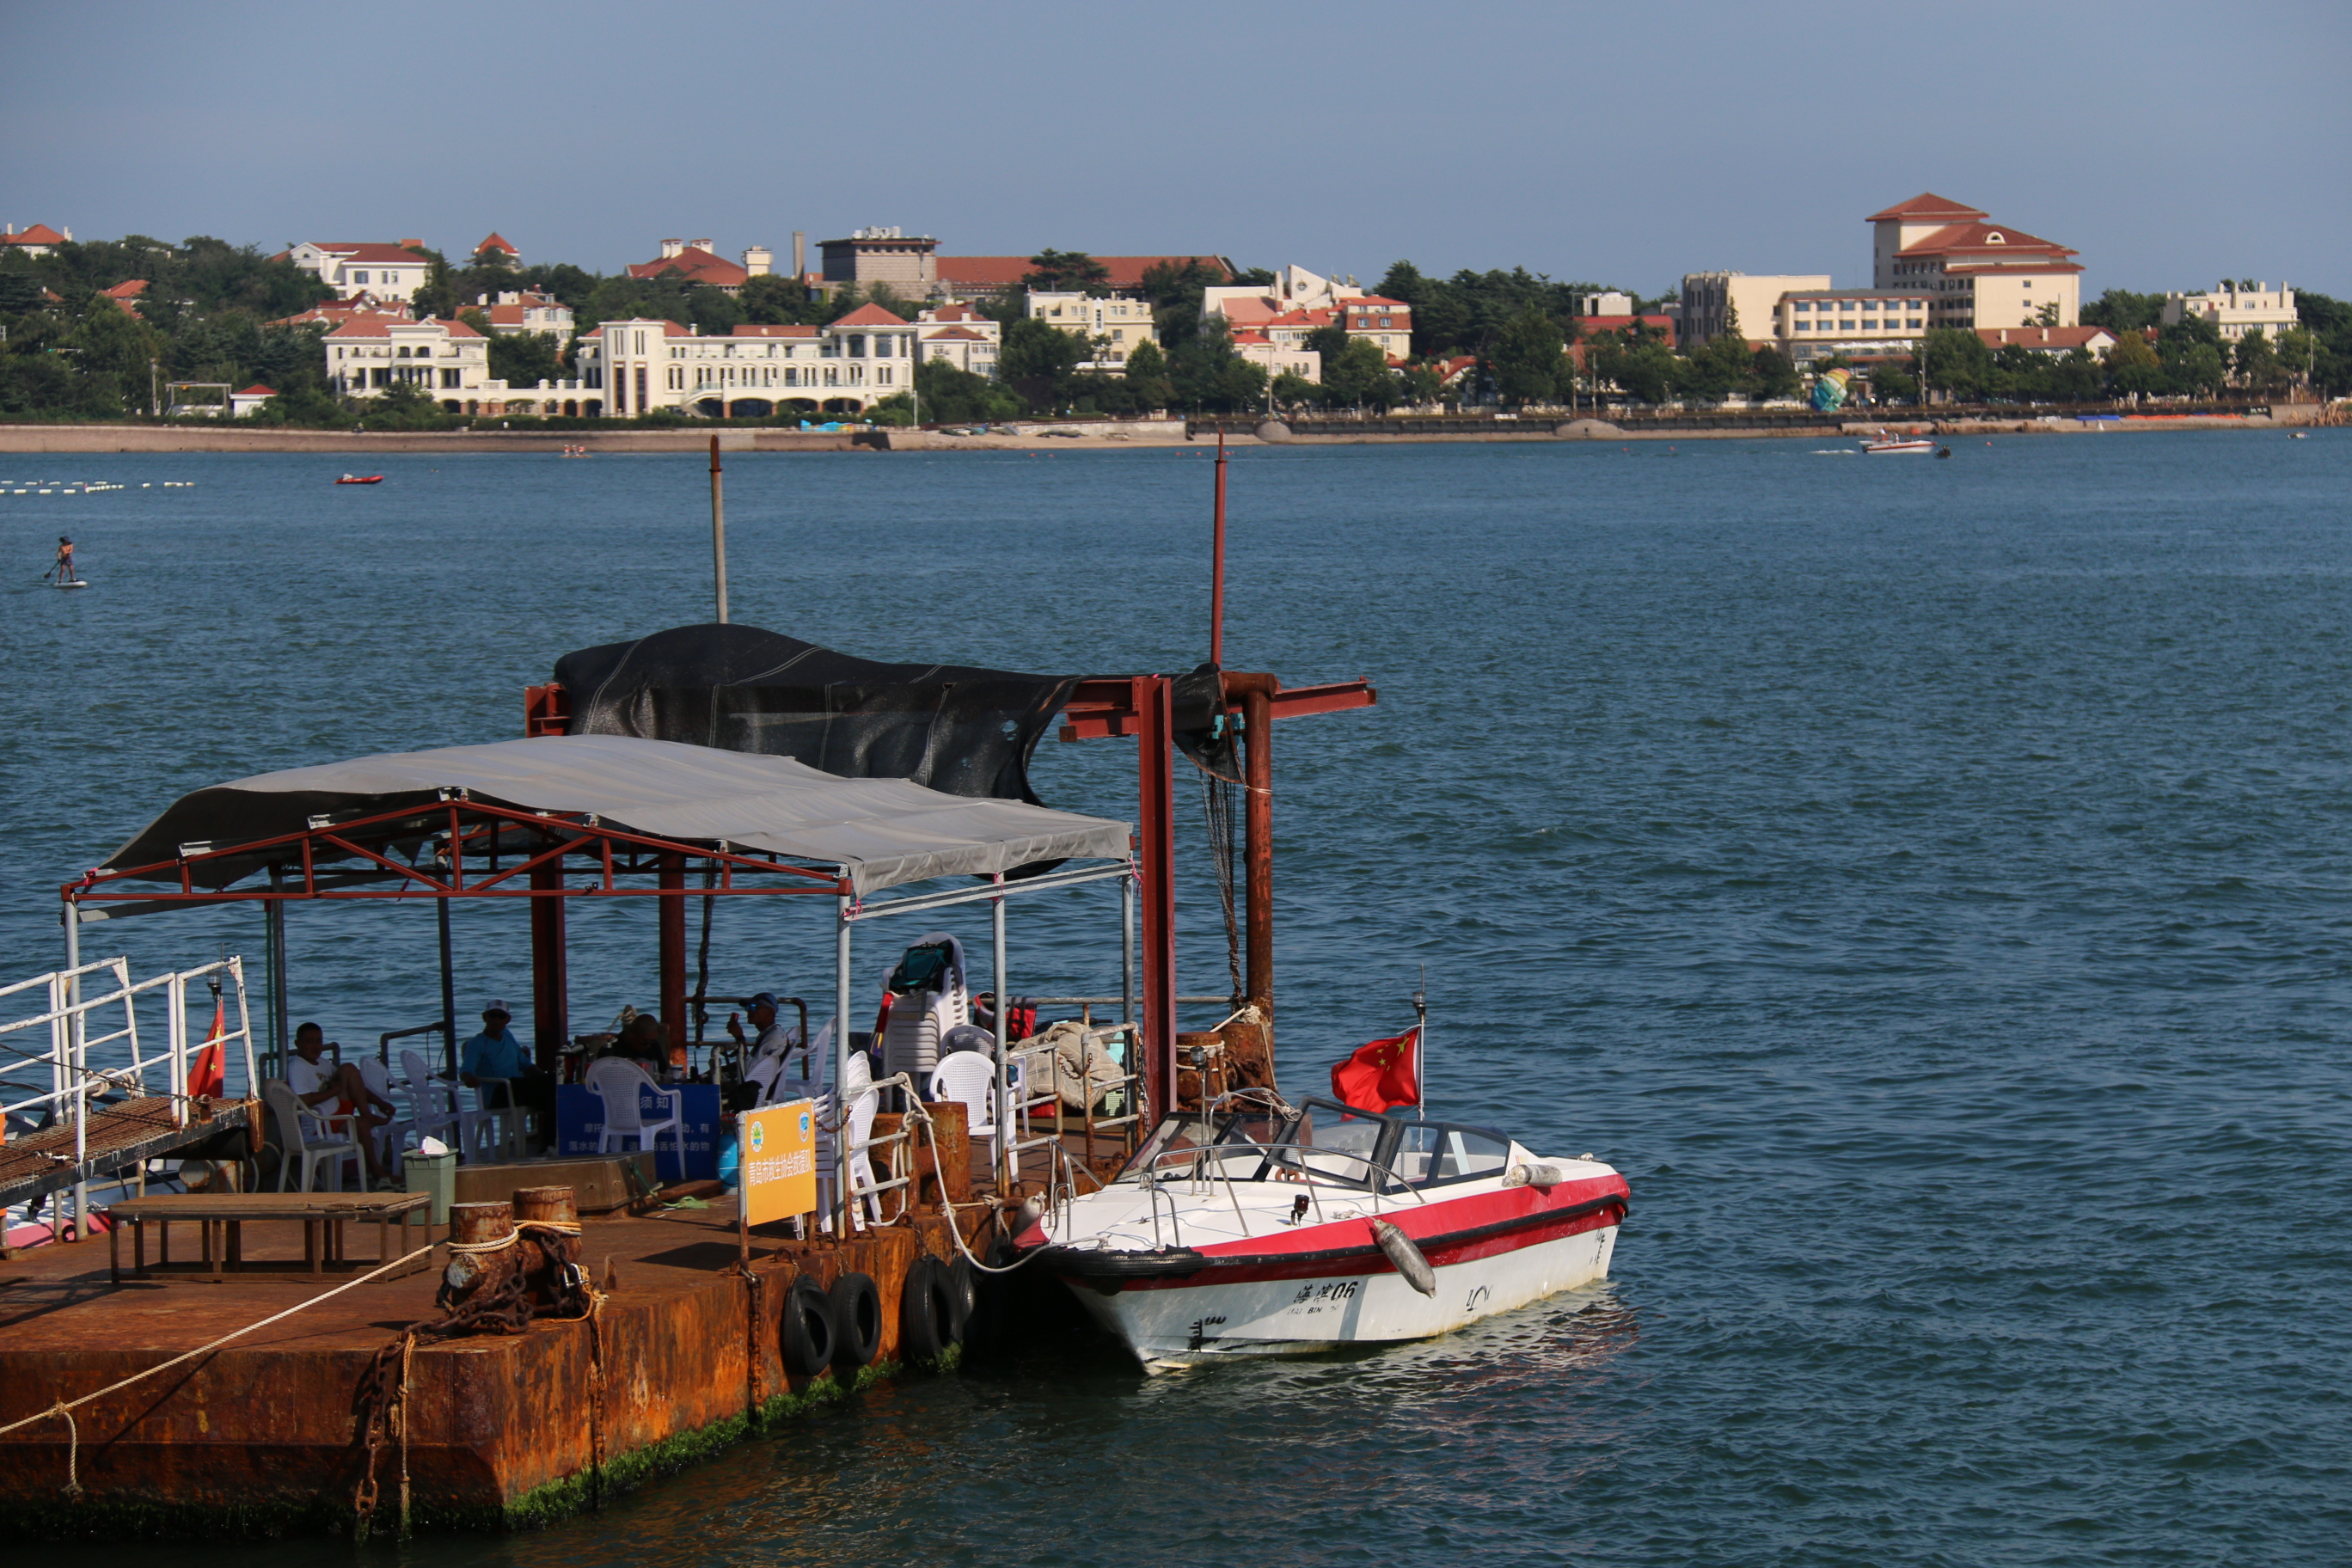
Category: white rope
<point>63,1407</point>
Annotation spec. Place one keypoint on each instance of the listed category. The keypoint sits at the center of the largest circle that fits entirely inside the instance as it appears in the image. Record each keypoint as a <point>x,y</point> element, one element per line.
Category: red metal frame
<point>1153,698</point>
<point>1102,709</point>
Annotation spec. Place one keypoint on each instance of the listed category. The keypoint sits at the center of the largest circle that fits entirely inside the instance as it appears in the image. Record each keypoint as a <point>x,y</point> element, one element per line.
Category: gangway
<point>92,1101</point>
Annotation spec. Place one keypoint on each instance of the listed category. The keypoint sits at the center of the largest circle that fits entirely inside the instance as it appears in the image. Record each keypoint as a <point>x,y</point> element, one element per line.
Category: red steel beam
<point>1153,698</point>
<point>1092,713</point>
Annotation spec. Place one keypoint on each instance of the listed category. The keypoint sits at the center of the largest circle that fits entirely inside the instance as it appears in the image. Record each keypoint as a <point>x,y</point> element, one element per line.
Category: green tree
<point>1037,361</point>
<point>1210,374</point>
<point>2298,353</point>
<point>1723,366</point>
<point>2257,363</point>
<point>1958,364</point>
<point>1529,356</point>
<point>774,300</point>
<point>2133,368</point>
<point>952,396</point>
<point>1358,377</point>
<point>1774,375</point>
<point>1061,271</point>
<point>2120,311</point>
<point>1291,390</point>
<point>1420,384</point>
<point>402,406</point>
<point>1175,291</point>
<point>1147,377</point>
<point>525,359</point>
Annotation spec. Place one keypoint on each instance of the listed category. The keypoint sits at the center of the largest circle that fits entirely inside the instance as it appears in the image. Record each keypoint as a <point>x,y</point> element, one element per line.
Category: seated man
<point>495,1055</point>
<point>339,1091</point>
<point>645,1042</point>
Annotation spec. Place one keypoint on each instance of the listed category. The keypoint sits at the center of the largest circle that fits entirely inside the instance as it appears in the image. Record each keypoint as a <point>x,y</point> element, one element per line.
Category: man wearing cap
<point>764,1059</point>
<point>496,1054</point>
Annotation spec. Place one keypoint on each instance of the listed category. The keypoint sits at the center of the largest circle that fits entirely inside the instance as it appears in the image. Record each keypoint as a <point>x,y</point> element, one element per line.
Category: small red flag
<point>208,1074</point>
<point>1382,1074</point>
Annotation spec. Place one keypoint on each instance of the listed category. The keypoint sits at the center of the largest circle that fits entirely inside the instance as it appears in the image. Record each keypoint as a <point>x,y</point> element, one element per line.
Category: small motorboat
<point>1265,1229</point>
<point>1897,446</point>
<point>361,480</point>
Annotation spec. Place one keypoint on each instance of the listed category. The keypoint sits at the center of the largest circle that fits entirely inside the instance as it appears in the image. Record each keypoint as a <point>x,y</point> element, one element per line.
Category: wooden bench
<point>222,1217</point>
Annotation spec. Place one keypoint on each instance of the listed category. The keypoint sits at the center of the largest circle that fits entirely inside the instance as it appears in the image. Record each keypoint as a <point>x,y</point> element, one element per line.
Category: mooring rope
<point>64,1409</point>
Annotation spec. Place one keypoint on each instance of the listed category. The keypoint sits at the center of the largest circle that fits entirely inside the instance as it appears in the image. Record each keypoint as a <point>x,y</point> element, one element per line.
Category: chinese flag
<point>1382,1074</point>
<point>208,1074</point>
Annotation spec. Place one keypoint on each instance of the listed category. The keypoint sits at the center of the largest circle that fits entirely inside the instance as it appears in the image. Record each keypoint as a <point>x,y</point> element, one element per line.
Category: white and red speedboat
<point>1264,1229</point>
<point>1888,446</point>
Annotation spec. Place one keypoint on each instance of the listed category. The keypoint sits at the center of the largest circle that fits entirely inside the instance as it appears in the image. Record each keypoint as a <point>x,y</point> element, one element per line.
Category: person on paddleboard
<point>64,567</point>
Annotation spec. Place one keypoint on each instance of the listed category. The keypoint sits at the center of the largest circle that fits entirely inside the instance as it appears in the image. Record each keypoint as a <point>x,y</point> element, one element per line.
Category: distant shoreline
<point>1084,435</point>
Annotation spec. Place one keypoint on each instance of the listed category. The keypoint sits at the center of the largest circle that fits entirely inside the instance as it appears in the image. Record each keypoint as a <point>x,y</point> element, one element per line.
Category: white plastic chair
<point>432,1108</point>
<point>861,1180</point>
<point>297,1142</point>
<point>498,1120</point>
<point>969,1076</point>
<point>616,1082</point>
<point>393,1136</point>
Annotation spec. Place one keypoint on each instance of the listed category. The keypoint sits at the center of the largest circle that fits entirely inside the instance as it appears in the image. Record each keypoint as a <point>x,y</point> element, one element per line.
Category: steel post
<point>448,976</point>
<point>1156,833</point>
<point>72,1044</point>
<point>1257,745</point>
<point>718,529</point>
<point>671,878</point>
<point>551,979</point>
<point>282,1034</point>
<point>841,1069</point>
<point>1003,1009</point>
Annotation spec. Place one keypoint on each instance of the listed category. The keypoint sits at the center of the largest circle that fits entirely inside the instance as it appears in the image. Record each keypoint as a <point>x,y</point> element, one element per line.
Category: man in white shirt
<point>766,1057</point>
<point>338,1091</point>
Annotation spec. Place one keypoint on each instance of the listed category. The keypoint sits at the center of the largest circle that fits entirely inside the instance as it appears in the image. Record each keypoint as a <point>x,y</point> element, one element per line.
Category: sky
<point>2171,145</point>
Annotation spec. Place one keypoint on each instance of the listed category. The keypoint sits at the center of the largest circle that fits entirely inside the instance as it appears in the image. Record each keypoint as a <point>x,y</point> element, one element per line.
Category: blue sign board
<point>579,1125</point>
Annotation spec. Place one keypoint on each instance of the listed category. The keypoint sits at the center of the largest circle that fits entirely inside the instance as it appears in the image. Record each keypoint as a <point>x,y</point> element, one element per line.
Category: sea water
<point>1926,881</point>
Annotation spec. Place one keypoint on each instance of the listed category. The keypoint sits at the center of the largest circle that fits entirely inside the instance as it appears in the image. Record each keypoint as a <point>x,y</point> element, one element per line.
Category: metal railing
<point>1042,1089</point>
<point>74,1087</point>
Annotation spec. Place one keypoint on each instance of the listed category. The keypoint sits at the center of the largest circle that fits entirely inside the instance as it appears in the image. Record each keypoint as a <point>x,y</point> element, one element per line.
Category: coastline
<point>1041,435</point>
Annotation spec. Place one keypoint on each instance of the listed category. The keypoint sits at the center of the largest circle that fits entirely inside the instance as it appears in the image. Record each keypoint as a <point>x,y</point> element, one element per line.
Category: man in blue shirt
<point>495,1055</point>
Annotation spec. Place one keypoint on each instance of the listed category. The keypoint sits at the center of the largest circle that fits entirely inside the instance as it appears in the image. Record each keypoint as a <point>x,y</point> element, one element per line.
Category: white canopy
<point>883,831</point>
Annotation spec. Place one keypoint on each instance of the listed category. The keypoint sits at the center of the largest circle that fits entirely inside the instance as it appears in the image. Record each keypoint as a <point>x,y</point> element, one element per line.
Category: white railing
<point>80,999</point>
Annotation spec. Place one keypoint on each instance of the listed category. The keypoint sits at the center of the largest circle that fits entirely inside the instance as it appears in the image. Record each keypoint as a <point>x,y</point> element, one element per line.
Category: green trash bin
<point>434,1173</point>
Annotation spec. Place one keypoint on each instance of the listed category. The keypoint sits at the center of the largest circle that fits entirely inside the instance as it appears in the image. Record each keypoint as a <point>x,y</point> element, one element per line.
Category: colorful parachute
<point>1828,391</point>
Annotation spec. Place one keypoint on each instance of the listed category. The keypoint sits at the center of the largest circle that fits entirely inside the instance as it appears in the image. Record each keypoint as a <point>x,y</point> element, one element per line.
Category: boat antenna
<point>1217,578</point>
<point>1421,1049</point>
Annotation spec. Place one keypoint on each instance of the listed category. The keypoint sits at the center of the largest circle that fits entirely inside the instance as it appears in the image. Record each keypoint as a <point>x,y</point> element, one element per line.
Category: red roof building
<point>497,242</point>
<point>1979,273</point>
<point>35,240</point>
<point>696,263</point>
<point>2052,340</point>
<point>969,275</point>
<point>353,268</point>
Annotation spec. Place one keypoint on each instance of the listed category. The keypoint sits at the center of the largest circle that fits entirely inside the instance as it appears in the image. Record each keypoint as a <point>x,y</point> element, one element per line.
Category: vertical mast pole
<point>1217,581</point>
<point>841,1134</point>
<point>717,531</point>
<point>1003,1009</point>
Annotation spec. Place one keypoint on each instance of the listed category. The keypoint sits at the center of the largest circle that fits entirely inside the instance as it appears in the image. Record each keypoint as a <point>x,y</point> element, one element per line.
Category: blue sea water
<point>1926,881</point>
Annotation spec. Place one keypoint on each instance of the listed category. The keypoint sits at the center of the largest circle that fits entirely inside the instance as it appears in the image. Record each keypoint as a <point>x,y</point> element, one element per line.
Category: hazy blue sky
<point>2170,143</point>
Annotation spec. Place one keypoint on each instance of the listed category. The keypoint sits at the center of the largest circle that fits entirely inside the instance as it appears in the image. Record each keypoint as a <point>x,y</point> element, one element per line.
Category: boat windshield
<point>1431,1153</point>
<point>1240,1137</point>
<point>1331,1143</point>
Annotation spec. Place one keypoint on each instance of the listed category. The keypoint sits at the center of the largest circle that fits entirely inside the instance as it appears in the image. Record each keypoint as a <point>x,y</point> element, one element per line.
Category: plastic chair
<point>432,1108</point>
<point>497,1120</point>
<point>861,1180</point>
<point>297,1143</point>
<point>393,1136</point>
<point>969,1076</point>
<point>617,1080</point>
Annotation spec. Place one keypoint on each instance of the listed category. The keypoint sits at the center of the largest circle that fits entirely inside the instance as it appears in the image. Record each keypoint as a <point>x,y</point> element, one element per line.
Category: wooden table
<point>222,1217</point>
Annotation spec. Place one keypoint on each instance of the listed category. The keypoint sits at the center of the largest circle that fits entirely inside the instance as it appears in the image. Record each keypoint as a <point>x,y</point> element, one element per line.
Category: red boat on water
<point>361,480</point>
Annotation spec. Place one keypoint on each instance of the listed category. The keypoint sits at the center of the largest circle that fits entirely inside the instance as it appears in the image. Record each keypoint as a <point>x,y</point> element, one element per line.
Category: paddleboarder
<point>64,565</point>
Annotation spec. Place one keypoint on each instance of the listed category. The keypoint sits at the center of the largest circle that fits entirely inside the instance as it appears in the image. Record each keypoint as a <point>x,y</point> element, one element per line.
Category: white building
<point>526,310</point>
<point>369,353</point>
<point>1814,323</point>
<point>1279,358</point>
<point>642,366</point>
<point>2236,308</point>
<point>386,271</point>
<point>958,335</point>
<point>1112,326</point>
<point>36,240</point>
<point>1713,304</point>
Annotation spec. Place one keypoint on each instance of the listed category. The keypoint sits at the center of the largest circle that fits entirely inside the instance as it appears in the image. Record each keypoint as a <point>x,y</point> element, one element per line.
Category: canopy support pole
<point>1154,706</point>
<point>841,1134</point>
<point>671,877</point>
<point>448,984</point>
<point>551,980</point>
<point>1257,746</point>
<point>58,1080</point>
<point>1003,1010</point>
<point>274,949</point>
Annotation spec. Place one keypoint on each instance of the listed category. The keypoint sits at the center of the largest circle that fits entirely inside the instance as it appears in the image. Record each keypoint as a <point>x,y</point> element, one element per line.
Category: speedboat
<point>361,480</point>
<point>1264,1229</point>
<point>1896,446</point>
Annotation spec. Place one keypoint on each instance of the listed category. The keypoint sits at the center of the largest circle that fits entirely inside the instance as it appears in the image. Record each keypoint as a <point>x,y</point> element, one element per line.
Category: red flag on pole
<point>208,1074</point>
<point>1382,1074</point>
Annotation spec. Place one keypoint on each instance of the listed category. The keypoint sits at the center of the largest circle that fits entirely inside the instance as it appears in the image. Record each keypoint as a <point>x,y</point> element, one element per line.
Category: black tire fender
<point>927,1319</point>
<point>805,1336</point>
<point>961,1290</point>
<point>856,1321</point>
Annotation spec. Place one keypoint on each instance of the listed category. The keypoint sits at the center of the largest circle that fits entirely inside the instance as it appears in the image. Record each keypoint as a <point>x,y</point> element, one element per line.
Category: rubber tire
<point>962,1291</point>
<point>926,1316</point>
<point>805,1335</point>
<point>856,1321</point>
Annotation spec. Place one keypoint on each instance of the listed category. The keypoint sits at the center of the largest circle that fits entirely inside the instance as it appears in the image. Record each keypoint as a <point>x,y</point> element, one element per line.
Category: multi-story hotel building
<point>1814,323</point>
<point>1977,273</point>
<point>1713,304</point>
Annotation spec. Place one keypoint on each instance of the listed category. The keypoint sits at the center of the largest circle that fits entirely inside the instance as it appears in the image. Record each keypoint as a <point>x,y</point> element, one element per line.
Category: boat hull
<point>1248,1306</point>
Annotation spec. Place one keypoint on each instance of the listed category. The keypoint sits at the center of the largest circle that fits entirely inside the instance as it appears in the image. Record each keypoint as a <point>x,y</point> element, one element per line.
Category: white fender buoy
<point>1406,1257</point>
<point>1532,1176</point>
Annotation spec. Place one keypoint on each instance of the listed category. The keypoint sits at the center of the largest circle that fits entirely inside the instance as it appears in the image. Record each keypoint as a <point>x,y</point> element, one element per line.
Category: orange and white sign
<point>778,1154</point>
